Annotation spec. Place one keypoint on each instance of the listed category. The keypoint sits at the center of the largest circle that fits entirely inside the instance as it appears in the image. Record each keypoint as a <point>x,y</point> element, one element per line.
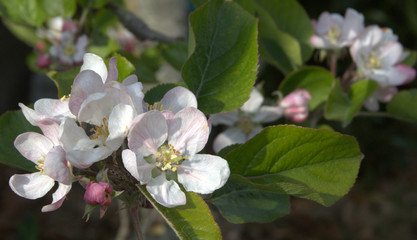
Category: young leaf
<point>12,124</point>
<point>64,8</point>
<point>175,53</point>
<point>404,105</point>
<point>157,93</point>
<point>284,33</point>
<point>63,80</point>
<point>222,69</point>
<point>190,221</point>
<point>342,106</point>
<point>318,81</point>
<point>24,11</point>
<point>316,164</point>
<point>241,201</point>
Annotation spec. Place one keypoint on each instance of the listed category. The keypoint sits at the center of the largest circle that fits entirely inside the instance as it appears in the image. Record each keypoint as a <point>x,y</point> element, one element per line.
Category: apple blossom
<point>383,95</point>
<point>98,193</point>
<point>244,123</point>
<point>334,32</point>
<point>49,158</point>
<point>378,56</point>
<point>295,105</point>
<point>163,149</point>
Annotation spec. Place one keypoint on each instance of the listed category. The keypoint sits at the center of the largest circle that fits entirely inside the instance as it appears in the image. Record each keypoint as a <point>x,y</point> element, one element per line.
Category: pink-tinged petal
<point>53,108</point>
<point>88,155</point>
<point>95,108</point>
<point>188,131</point>
<point>203,173</point>
<point>390,54</point>
<point>227,118</point>
<point>318,42</point>
<point>178,98</point>
<point>253,103</point>
<point>86,83</point>
<point>326,20</point>
<point>50,129</point>
<point>408,72</point>
<point>352,26</point>
<point>135,92</point>
<point>385,94</point>
<point>55,166</point>
<point>299,117</point>
<point>80,47</point>
<point>33,146</point>
<point>148,134</point>
<point>229,137</point>
<point>167,193</point>
<point>119,122</point>
<point>96,64</point>
<point>58,198</point>
<point>31,185</point>
<point>98,193</point>
<point>113,73</point>
<point>137,166</point>
<point>131,79</point>
<point>392,76</point>
<point>31,115</point>
<point>268,114</point>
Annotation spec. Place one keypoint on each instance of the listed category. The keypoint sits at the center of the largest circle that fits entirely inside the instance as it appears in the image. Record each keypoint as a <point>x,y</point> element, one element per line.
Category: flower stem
<point>333,63</point>
<point>373,114</point>
<point>135,219</point>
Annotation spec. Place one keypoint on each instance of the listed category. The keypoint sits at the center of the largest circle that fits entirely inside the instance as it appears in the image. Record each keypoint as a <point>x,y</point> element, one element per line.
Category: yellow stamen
<point>102,130</point>
<point>334,33</point>
<point>40,165</point>
<point>169,158</point>
<point>65,98</point>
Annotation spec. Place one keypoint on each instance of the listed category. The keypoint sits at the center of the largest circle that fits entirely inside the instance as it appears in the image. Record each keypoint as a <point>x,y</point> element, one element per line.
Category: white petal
<point>50,129</point>
<point>95,108</point>
<point>352,26</point>
<point>255,130</point>
<point>227,118</point>
<point>55,166</point>
<point>86,83</point>
<point>32,116</point>
<point>372,104</point>
<point>203,173</point>
<point>166,193</point>
<point>319,43</point>
<point>268,114</point>
<point>33,146</point>
<point>137,166</point>
<point>135,92</point>
<point>58,198</point>
<point>113,73</point>
<point>148,134</point>
<point>32,185</point>
<point>88,155</point>
<point>53,108</point>
<point>253,103</point>
<point>188,131</point>
<point>229,137</point>
<point>119,122</point>
<point>96,64</point>
<point>178,98</point>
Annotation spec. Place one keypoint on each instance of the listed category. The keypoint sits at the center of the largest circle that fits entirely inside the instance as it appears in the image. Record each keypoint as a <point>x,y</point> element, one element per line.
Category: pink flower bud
<point>295,105</point>
<point>40,46</point>
<point>69,26</point>
<point>43,61</point>
<point>98,193</point>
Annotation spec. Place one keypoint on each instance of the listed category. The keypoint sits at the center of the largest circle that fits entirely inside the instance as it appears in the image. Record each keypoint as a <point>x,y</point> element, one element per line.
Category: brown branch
<point>136,25</point>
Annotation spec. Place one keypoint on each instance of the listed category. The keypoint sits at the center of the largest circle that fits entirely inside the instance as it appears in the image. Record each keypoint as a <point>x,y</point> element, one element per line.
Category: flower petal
<point>119,121</point>
<point>352,26</point>
<point>31,115</point>
<point>166,193</point>
<point>55,166</point>
<point>96,64</point>
<point>58,198</point>
<point>33,146</point>
<point>391,54</point>
<point>137,166</point>
<point>50,129</point>
<point>268,114</point>
<point>253,103</point>
<point>178,98</point>
<point>113,73</point>
<point>229,137</point>
<point>53,108</point>
<point>188,131</point>
<point>148,134</point>
<point>203,173</point>
<point>31,185</point>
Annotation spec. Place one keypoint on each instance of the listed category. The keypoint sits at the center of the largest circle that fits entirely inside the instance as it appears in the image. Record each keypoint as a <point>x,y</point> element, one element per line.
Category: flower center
<point>101,131</point>
<point>374,61</point>
<point>246,124</point>
<point>69,50</point>
<point>168,158</point>
<point>156,106</point>
<point>65,98</point>
<point>40,165</point>
<point>334,33</point>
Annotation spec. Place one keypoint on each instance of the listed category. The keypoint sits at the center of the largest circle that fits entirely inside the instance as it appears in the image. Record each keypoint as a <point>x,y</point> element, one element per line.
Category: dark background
<point>381,205</point>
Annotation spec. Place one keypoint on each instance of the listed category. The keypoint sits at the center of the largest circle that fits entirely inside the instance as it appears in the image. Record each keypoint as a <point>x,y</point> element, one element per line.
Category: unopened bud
<point>295,105</point>
<point>43,61</point>
<point>98,193</point>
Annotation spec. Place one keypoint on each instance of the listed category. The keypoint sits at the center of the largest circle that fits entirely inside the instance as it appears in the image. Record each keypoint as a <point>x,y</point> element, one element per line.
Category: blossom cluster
<point>104,120</point>
<point>375,51</point>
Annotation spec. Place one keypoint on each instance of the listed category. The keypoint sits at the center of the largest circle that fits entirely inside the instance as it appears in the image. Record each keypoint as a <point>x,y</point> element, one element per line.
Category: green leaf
<point>342,106</point>
<point>64,8</point>
<point>104,47</point>
<point>12,124</point>
<point>29,12</point>
<point>411,59</point>
<point>198,3</point>
<point>175,53</point>
<point>124,66</point>
<point>63,80</point>
<point>318,81</point>
<point>24,33</point>
<point>404,105</point>
<point>190,221</point>
<point>241,201</point>
<point>157,93</point>
<point>316,164</point>
<point>222,69</point>
<point>284,33</point>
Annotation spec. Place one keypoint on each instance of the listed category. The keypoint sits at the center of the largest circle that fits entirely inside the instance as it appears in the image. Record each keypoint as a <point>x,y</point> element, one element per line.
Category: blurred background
<point>381,205</point>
